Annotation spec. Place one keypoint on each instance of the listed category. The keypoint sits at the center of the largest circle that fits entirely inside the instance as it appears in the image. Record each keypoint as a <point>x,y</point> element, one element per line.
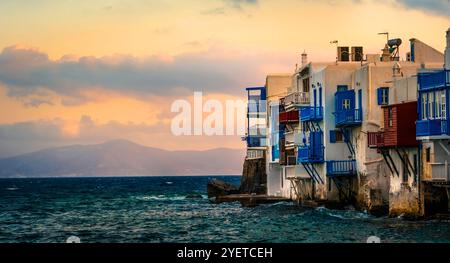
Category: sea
<point>176,209</point>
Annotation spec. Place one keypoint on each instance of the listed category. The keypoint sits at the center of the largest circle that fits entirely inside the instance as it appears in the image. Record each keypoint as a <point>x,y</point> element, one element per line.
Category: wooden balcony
<point>375,139</point>
<point>289,116</point>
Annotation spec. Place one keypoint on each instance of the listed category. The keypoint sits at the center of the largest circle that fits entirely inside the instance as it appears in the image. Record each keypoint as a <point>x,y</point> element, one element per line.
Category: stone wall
<point>254,177</point>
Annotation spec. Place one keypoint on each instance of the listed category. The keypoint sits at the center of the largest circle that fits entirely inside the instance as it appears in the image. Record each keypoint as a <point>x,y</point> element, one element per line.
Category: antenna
<point>335,42</point>
<point>385,33</point>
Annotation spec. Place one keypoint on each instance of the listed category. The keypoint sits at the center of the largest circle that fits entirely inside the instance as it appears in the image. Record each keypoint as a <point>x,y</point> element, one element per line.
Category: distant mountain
<point>121,157</point>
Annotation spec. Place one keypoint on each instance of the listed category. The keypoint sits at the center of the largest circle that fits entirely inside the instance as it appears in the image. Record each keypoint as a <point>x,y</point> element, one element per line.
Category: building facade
<point>353,132</point>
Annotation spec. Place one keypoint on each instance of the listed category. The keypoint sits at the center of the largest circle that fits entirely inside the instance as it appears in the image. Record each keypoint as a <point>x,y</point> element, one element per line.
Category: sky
<point>79,71</point>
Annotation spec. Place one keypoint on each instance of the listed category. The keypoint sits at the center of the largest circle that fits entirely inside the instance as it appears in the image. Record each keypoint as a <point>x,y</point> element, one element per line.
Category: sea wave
<point>342,214</point>
<point>176,197</point>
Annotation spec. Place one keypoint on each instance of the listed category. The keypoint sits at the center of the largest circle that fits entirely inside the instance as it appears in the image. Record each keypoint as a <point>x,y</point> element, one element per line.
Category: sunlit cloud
<point>29,71</point>
<point>440,7</point>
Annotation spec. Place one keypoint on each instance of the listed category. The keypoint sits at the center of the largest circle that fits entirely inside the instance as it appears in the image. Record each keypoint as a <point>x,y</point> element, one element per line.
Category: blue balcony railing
<point>307,154</point>
<point>430,80</point>
<point>434,127</point>
<point>256,141</point>
<point>341,168</point>
<point>311,113</point>
<point>348,117</point>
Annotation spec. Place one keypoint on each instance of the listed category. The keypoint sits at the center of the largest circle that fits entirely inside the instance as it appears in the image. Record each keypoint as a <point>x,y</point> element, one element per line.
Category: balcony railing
<point>293,137</point>
<point>348,117</point>
<point>341,168</point>
<point>431,80</point>
<point>296,98</point>
<point>311,113</point>
<point>288,116</point>
<point>375,139</point>
<point>306,154</point>
<point>433,127</point>
<point>254,154</point>
<point>256,141</point>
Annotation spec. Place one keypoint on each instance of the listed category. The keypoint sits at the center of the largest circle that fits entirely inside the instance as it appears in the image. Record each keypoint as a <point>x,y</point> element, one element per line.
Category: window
<point>428,154</point>
<point>383,96</point>
<point>346,104</point>
<point>443,105</point>
<point>424,106</point>
<point>430,105</point>
<point>391,117</point>
<point>438,105</point>
<point>336,136</point>
<point>306,85</point>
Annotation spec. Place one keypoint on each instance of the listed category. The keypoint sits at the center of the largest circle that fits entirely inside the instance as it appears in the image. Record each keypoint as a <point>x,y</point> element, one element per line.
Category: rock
<point>194,196</point>
<point>220,188</point>
<point>254,177</point>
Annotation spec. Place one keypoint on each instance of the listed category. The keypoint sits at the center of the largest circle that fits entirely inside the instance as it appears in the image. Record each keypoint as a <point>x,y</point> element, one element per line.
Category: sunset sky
<point>79,71</point>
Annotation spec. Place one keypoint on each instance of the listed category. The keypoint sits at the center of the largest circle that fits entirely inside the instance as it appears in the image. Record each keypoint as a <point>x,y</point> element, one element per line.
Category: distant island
<point>121,158</point>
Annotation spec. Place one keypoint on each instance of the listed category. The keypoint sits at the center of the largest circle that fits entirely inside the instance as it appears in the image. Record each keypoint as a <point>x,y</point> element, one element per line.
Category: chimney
<point>305,57</point>
<point>447,51</point>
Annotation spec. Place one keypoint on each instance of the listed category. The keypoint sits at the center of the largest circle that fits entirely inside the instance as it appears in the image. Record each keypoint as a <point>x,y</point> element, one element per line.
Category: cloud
<point>238,4</point>
<point>439,7</point>
<point>26,71</point>
<point>214,11</point>
<point>229,6</point>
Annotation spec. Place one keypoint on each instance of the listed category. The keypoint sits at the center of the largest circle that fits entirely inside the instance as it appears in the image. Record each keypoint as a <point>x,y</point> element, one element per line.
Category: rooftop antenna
<point>385,33</point>
<point>335,42</point>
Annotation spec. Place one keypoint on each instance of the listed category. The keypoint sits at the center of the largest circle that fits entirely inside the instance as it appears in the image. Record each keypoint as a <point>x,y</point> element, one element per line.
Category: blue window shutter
<point>332,136</point>
<point>380,96</point>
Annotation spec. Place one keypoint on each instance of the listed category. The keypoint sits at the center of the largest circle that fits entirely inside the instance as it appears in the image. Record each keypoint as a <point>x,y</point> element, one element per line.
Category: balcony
<point>288,116</point>
<point>254,154</point>
<point>375,139</point>
<point>341,168</point>
<point>347,118</point>
<point>256,106</point>
<point>256,141</point>
<point>433,127</point>
<point>307,154</point>
<point>431,80</point>
<point>293,137</point>
<point>296,98</point>
<point>311,113</point>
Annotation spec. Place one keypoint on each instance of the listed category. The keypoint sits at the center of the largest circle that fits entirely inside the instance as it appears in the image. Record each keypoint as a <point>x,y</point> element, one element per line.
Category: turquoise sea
<point>176,209</point>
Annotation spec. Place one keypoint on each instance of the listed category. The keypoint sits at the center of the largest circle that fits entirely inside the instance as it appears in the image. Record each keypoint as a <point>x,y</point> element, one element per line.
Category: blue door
<point>315,139</point>
<point>345,100</point>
